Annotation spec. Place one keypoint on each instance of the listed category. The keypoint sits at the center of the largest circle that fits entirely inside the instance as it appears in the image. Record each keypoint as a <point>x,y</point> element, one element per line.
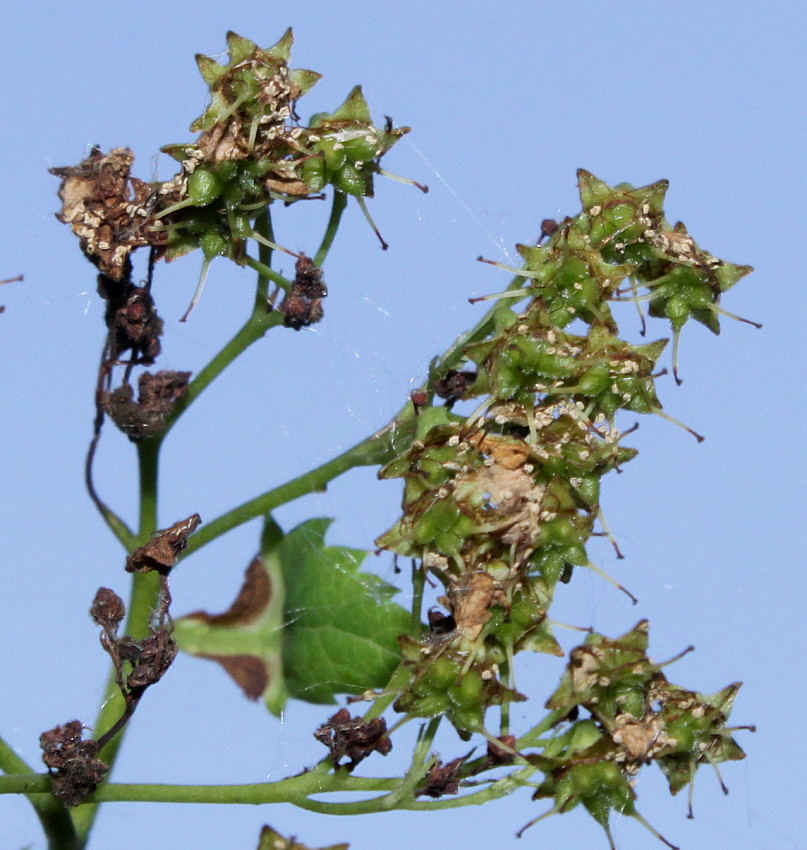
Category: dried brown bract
<point>302,305</point>
<point>442,779</point>
<point>353,737</point>
<point>106,208</point>
<point>107,609</point>
<point>156,654</point>
<point>147,417</point>
<point>72,763</point>
<point>163,550</point>
<point>497,755</point>
<point>548,228</point>
<point>453,385</point>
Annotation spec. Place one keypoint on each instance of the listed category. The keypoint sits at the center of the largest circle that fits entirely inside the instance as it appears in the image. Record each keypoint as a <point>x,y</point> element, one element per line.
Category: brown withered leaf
<point>249,672</point>
<point>252,599</point>
<point>163,550</point>
<point>106,208</point>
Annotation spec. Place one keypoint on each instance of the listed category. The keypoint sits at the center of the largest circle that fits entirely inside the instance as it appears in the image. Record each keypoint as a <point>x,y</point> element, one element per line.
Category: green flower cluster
<point>252,149</point>
<point>499,505</point>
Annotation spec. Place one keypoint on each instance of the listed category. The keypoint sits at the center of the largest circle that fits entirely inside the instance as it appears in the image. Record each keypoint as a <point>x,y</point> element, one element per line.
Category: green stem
<point>118,527</point>
<point>52,813</point>
<point>418,585</point>
<point>253,329</point>
<point>142,599</point>
<point>337,208</point>
<point>295,790</point>
<point>376,449</point>
<point>263,226</point>
<point>268,273</point>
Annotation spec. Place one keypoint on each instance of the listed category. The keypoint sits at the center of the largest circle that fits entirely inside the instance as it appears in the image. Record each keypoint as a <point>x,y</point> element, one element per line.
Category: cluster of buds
<point>499,505</point>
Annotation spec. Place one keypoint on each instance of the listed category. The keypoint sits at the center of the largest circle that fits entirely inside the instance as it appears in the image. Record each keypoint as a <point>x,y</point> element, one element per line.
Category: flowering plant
<point>501,451</point>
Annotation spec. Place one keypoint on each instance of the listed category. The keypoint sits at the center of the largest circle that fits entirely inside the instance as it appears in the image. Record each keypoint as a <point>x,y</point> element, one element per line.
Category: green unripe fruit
<point>360,149</point>
<point>494,652</point>
<point>575,553</point>
<point>523,612</point>
<point>315,173</point>
<point>213,244</point>
<point>676,309</point>
<point>334,153</point>
<point>468,691</point>
<point>441,673</point>
<point>467,718</point>
<point>560,531</point>
<point>595,380</point>
<point>203,187</point>
<point>233,194</point>
<point>684,735</point>
<point>428,706</point>
<point>226,170</point>
<point>351,181</point>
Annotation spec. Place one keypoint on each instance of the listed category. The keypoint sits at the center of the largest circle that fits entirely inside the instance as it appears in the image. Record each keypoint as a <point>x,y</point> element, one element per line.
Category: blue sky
<point>506,101</point>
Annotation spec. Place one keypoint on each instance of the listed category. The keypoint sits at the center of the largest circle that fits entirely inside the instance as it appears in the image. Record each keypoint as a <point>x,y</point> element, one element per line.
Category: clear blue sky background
<point>506,100</point>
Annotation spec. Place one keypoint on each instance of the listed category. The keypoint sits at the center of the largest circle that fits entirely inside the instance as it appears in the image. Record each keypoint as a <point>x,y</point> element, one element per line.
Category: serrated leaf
<point>342,627</point>
<point>306,623</point>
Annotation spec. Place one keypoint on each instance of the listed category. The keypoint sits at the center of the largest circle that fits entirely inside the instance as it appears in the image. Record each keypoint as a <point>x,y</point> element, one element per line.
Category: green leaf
<point>305,624</point>
<point>342,627</point>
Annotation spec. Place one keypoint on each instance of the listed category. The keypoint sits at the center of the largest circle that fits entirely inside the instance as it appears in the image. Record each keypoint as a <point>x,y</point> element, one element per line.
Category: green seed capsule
<point>213,245</point>
<point>360,150</point>
<point>468,691</point>
<point>442,673</point>
<point>233,194</point>
<point>467,718</point>
<point>350,181</point>
<point>315,173</point>
<point>203,187</point>
<point>594,381</point>
<point>334,153</point>
<point>226,170</point>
